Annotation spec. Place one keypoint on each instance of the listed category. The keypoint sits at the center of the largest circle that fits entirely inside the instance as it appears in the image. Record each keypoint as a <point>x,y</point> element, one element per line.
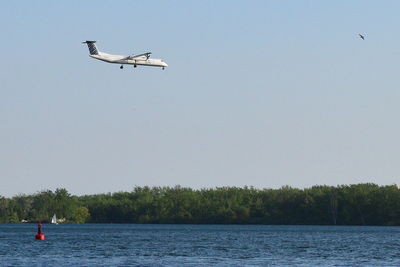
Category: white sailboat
<point>54,219</point>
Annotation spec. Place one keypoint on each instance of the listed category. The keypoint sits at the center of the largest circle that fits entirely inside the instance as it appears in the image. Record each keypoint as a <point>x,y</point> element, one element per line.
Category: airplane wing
<point>147,55</point>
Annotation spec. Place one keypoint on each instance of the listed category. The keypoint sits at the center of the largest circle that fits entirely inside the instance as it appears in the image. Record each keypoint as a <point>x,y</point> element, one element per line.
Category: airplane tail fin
<point>92,47</point>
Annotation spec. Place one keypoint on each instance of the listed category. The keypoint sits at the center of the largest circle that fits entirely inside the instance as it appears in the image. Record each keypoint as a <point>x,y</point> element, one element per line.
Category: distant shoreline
<point>359,204</point>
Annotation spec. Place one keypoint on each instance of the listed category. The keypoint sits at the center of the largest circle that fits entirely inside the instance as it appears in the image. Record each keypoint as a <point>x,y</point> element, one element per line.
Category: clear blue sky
<point>258,93</point>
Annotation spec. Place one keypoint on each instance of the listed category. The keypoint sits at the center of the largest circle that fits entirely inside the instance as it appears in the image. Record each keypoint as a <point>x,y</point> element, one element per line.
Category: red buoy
<point>39,235</point>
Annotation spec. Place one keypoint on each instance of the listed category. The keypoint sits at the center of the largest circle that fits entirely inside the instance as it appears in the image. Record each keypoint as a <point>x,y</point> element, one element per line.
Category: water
<point>198,245</point>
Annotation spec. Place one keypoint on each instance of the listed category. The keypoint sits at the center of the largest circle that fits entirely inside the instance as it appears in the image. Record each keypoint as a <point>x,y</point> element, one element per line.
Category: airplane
<point>361,36</point>
<point>135,60</point>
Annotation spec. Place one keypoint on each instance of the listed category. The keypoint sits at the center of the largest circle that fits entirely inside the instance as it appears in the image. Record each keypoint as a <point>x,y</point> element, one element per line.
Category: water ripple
<point>199,245</point>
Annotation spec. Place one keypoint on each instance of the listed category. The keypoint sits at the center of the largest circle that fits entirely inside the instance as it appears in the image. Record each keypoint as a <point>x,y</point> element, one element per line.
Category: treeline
<point>40,207</point>
<point>361,204</point>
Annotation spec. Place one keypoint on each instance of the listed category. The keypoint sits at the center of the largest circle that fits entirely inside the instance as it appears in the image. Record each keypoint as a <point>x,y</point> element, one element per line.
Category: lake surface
<point>198,245</point>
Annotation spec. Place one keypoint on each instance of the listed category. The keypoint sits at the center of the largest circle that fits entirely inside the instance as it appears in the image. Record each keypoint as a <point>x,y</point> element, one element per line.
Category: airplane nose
<point>165,64</point>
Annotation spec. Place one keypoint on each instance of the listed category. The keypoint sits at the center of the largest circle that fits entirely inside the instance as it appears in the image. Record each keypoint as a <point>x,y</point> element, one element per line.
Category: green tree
<point>81,214</point>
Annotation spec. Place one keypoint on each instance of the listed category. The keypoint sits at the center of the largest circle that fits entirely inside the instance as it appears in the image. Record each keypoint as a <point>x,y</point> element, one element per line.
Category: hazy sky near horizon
<point>257,93</point>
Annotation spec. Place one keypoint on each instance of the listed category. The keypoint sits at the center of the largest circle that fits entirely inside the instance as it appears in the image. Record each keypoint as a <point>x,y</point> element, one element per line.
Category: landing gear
<point>134,66</point>
<point>122,66</point>
<point>163,68</point>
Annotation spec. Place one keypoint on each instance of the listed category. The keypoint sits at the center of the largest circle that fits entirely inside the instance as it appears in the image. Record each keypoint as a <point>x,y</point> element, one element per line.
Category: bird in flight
<point>361,36</point>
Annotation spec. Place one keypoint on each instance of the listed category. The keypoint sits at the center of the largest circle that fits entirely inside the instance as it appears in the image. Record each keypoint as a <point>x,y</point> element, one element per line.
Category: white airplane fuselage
<point>142,60</point>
